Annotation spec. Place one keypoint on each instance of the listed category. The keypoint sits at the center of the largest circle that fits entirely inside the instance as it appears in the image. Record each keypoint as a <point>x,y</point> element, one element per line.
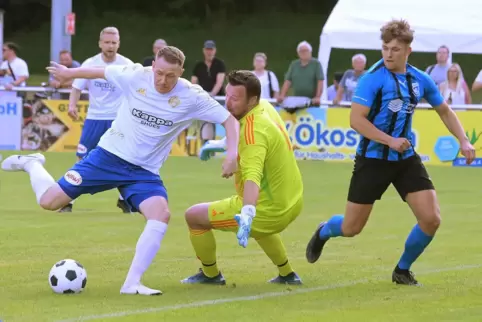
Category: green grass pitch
<point>351,282</point>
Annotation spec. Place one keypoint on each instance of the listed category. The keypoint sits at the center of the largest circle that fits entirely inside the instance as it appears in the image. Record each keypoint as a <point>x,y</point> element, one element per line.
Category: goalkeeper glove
<point>210,147</point>
<point>245,220</point>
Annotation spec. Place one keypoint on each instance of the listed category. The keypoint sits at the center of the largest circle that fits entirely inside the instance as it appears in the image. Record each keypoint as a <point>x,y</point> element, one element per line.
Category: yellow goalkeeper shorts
<point>222,212</point>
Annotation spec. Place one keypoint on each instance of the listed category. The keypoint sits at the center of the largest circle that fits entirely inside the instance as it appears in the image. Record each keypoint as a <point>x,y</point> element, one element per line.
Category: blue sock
<point>416,243</point>
<point>332,228</point>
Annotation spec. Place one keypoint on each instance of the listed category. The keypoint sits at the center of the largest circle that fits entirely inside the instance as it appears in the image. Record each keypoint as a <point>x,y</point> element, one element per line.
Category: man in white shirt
<point>13,69</point>
<point>104,99</point>
<point>158,105</point>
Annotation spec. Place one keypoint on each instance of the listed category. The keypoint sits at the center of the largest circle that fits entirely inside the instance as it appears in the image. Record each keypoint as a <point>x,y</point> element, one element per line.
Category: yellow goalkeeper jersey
<point>266,157</point>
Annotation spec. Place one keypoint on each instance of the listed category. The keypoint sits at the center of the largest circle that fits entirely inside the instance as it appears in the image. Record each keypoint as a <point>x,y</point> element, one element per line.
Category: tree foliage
<point>28,14</point>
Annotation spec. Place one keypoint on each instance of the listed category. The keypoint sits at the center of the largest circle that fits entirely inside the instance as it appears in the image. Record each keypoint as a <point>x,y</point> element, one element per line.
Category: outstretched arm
<point>86,72</point>
<point>63,74</point>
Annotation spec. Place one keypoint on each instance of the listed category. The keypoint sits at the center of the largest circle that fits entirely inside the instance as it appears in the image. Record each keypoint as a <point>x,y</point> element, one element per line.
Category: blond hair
<point>460,77</point>
<point>172,55</point>
<point>109,31</point>
<point>261,55</point>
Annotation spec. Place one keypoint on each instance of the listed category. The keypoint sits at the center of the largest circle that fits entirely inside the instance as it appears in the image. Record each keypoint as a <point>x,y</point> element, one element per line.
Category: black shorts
<point>371,178</point>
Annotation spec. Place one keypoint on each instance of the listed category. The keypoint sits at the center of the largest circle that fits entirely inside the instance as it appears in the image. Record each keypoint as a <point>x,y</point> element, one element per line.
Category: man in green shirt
<point>305,75</point>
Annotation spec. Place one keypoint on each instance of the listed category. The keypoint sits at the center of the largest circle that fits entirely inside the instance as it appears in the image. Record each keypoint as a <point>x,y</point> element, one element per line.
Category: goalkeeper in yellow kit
<point>268,185</point>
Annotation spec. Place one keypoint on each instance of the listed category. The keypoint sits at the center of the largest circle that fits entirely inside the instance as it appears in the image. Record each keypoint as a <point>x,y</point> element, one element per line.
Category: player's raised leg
<point>151,201</point>
<point>204,243</point>
<point>369,181</point>
<point>49,195</point>
<point>416,188</point>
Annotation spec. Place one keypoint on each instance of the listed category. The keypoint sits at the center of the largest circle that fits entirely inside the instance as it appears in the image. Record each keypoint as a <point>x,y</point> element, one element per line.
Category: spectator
<point>210,72</point>
<point>304,75</point>
<point>477,85</point>
<point>13,69</point>
<point>438,72</point>
<point>333,88</point>
<point>158,45</point>
<point>454,89</point>
<point>65,58</point>
<point>350,79</point>
<point>269,81</point>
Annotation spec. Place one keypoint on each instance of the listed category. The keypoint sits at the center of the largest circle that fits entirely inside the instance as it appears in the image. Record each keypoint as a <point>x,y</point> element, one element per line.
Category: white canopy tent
<point>355,24</point>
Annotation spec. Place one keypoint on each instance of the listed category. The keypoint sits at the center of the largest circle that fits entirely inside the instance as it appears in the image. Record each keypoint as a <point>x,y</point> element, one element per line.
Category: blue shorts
<point>91,133</point>
<point>101,170</point>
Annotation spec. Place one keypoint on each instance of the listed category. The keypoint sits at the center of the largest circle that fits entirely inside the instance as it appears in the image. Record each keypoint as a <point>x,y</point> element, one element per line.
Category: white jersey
<point>104,97</point>
<point>148,122</point>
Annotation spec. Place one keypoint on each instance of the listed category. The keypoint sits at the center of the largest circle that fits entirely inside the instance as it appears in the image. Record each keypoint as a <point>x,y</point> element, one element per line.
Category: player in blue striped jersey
<point>381,112</point>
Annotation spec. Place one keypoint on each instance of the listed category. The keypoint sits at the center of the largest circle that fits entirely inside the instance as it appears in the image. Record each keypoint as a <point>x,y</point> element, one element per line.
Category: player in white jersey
<point>104,99</point>
<point>158,105</point>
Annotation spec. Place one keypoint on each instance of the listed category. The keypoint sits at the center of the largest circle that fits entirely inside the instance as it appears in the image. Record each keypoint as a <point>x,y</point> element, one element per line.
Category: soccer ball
<point>67,276</point>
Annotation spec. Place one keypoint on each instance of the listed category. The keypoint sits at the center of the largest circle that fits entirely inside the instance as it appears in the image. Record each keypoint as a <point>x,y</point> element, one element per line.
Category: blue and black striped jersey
<point>392,99</point>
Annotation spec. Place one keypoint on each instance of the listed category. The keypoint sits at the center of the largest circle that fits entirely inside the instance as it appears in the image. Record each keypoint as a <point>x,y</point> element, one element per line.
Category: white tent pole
<point>324,57</point>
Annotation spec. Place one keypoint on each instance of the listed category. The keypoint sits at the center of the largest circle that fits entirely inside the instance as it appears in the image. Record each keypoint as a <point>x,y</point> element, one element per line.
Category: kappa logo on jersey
<point>73,177</point>
<point>151,120</point>
<point>141,91</point>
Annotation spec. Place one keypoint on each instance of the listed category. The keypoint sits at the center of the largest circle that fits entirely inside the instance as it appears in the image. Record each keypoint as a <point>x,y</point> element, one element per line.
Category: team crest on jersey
<point>416,89</point>
<point>141,91</point>
<point>174,101</point>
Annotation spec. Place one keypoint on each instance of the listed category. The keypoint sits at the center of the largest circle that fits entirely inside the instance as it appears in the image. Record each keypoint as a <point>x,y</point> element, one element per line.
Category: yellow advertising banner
<point>325,134</point>
<point>48,127</point>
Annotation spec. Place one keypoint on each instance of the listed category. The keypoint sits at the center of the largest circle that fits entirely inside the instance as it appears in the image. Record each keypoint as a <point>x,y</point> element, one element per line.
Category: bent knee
<point>163,215</point>
<point>197,216</point>
<point>49,203</point>
<point>430,223</point>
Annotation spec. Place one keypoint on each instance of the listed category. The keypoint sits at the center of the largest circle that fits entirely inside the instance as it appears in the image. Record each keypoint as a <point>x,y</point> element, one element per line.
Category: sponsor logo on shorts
<point>73,177</point>
<point>81,149</point>
<point>150,120</point>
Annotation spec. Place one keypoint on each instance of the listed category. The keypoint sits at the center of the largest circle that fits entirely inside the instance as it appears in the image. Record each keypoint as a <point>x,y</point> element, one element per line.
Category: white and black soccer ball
<point>67,277</point>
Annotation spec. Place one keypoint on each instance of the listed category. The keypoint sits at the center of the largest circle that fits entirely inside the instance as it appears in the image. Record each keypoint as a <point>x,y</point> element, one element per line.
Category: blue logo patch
<point>446,148</point>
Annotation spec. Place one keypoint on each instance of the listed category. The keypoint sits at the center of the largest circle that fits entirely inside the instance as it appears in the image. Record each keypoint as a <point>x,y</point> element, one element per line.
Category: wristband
<point>249,210</point>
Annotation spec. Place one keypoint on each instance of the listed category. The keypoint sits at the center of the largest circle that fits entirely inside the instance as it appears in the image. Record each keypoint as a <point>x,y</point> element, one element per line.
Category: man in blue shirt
<point>381,112</point>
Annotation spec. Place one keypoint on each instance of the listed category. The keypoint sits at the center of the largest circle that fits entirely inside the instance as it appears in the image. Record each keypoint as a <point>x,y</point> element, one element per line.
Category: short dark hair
<point>12,46</point>
<point>65,51</point>
<point>248,80</point>
<point>338,76</point>
<point>397,29</point>
<point>172,55</point>
<point>444,47</point>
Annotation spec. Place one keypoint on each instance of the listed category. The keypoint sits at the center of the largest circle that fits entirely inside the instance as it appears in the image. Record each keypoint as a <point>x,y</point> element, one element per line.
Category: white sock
<point>120,197</point>
<point>40,179</point>
<point>147,247</point>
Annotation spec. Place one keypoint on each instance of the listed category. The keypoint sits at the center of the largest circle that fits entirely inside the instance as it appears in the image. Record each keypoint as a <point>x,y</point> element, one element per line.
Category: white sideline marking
<point>251,297</point>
